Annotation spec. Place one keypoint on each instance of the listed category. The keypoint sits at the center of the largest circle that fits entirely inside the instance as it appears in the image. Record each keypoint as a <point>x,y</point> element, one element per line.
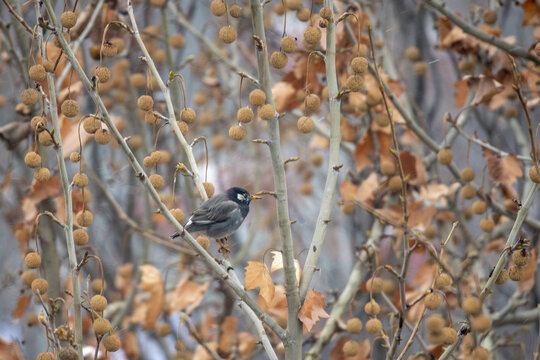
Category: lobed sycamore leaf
<point>312,310</point>
<point>258,276</point>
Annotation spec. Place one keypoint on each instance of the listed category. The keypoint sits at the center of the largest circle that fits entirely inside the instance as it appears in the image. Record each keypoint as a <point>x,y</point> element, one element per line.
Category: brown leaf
<point>527,283</point>
<point>14,132</point>
<point>152,282</point>
<point>42,191</point>
<point>365,148</point>
<point>277,264</point>
<point>531,13</point>
<point>10,350</point>
<point>413,167</point>
<point>22,305</point>
<point>228,332</point>
<point>130,345</point>
<point>258,276</point>
<point>484,87</point>
<point>284,97</point>
<point>202,354</point>
<point>246,343</point>
<point>278,306</point>
<point>187,295</point>
<point>312,310</point>
<point>29,209</point>
<point>7,181</point>
<point>123,279</point>
<point>504,169</point>
<point>462,91</point>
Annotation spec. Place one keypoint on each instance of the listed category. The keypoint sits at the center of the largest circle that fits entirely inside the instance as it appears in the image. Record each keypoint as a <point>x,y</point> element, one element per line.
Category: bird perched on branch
<point>220,216</point>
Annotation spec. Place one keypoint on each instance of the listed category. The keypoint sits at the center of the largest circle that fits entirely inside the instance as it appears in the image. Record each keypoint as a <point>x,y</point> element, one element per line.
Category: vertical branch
<point>323,219</point>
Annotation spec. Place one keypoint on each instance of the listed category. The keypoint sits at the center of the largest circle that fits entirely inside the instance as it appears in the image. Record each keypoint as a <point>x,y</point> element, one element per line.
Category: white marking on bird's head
<point>241,197</point>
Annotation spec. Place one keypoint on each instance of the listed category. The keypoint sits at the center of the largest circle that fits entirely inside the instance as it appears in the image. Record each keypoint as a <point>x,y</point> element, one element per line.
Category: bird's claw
<point>223,248</point>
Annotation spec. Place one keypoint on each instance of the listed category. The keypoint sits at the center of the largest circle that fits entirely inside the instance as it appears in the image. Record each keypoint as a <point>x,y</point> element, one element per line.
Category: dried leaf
<point>42,191</point>
<point>29,209</point>
<point>258,276</point>
<point>152,282</point>
<point>187,295</point>
<point>312,310</point>
<point>228,332</point>
<point>246,343</point>
<point>531,13</point>
<point>123,279</point>
<point>7,181</point>
<point>130,345</point>
<point>10,350</point>
<point>284,97</point>
<point>484,87</point>
<point>365,148</point>
<point>277,264</point>
<point>504,169</point>
<point>278,306</point>
<point>22,305</point>
<point>202,354</point>
<point>527,283</point>
<point>462,91</point>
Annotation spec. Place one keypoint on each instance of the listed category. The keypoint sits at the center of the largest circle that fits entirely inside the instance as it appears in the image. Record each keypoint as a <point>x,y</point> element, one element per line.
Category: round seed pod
<point>348,208</point>
<point>533,174</point>
<point>355,82</point>
<point>32,260</point>
<point>84,196</point>
<point>70,108</point>
<point>237,132</point>
<point>203,241</point>
<point>42,175</point>
<point>91,124</point>
<point>227,34</point>
<point>325,13</point>
<point>80,237</point>
<point>28,277</point>
<point>387,167</point>
<point>279,9</point>
<point>445,156</point>
<point>74,157</point>
<point>45,138</point>
<point>98,303</point>
<point>120,46</point>
<point>48,65</point>
<point>80,180</point>
<point>176,41</point>
<point>157,181</point>
<point>360,50</point>
<point>102,136</point>
<point>163,329</point>
<point>278,60</point>
<point>68,19</point>
<point>388,286</point>
<point>305,124</point>
<point>521,257</point>
<point>84,218</point>
<point>382,119</point>
<point>372,308</point>
<point>312,104</point>
<point>465,66</point>
<point>316,159</point>
<point>32,160</point>
<point>479,207</point>
<point>46,356</point>
<point>257,97</point>
<point>467,213</point>
<point>359,65</point>
<point>395,183</point>
<point>40,285</point>
<point>312,35</point>
<point>443,281</point>
<point>37,72</point>
<point>489,16</point>
<point>235,11</point>
<point>219,141</point>
<point>184,127</point>
<point>480,353</point>
<point>481,323</point>
<point>374,285</point>
<point>374,326</point>
<point>68,353</point>
<point>178,215</point>
<point>306,189</point>
<point>435,323</point>
<point>516,273</point>
<point>487,224</point>
<point>188,115</point>
<point>109,49</point>
<point>38,123</point>
<point>354,325</point>
<point>217,7</point>
<point>98,285</point>
<point>137,80</point>
<point>502,278</point>
<point>472,305</point>
<point>436,338</point>
<point>29,96</point>
<point>537,49</point>
<point>288,44</point>
<point>103,74</point>
<point>209,189</point>
<point>101,326</point>
<point>244,114</point>
<point>266,112</point>
<point>412,53</point>
<point>450,335</point>
<point>430,231</point>
<point>433,301</point>
<point>468,191</point>
<point>303,14</point>
<point>199,98</point>
<point>148,162</point>
<point>351,348</point>
<point>151,118</point>
<point>467,174</point>
<point>56,42</point>
<point>420,68</point>
<point>145,102</point>
<point>112,343</point>
<point>293,4</point>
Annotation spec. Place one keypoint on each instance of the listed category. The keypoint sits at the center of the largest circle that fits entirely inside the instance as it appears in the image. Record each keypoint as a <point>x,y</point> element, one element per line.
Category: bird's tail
<point>175,235</point>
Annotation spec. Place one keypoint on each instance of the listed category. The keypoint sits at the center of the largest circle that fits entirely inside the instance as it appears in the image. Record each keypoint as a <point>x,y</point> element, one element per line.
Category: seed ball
<point>388,167</point>
<point>395,183</point>
<point>388,286</point>
<point>98,303</point>
<point>120,46</point>
<point>312,35</point>
<point>157,181</point>
<point>443,281</point>
<point>148,162</point>
<point>489,16</point>
<point>468,191</point>
<point>305,124</point>
<point>467,213</point>
<point>503,276</point>
<point>516,273</point>
<point>38,123</point>
<point>204,242</point>
<point>184,127</point>
<point>84,196</point>
<point>45,138</point>
<point>46,356</point>
<point>465,66</point>
<point>109,49</point>
<point>325,13</point>
<point>430,231</point>
<point>145,102</point>
<point>200,98</point>
<point>306,189</point>
<point>374,326</point>
<point>158,3</point>
<point>151,118</point>
<point>112,343</point>
<point>32,160</point>
<point>351,348</point>
<point>420,68</point>
<point>28,277</point>
<point>137,80</point>
<point>374,285</point>
<point>278,60</point>
<point>74,157</point>
<point>178,215</point>
<point>355,82</point>
<point>209,189</point>
<point>219,142</point>
<point>533,174</point>
<point>412,53</point>
<point>68,353</point>
<point>70,108</point>
<point>102,136</point>
<point>521,257</point>
<point>433,301</point>
<point>481,323</point>
<point>98,285</point>
<point>445,156</point>
<point>479,207</point>
<point>176,41</point>
<point>312,104</point>
<point>237,132</point>
<point>450,335</point>
<point>360,50</point>
<point>467,174</point>
<point>217,7</point>
<point>279,9</point>
<point>48,65</point>
<point>80,237</point>
<point>37,72</point>
<point>40,285</point>
<point>537,49</point>
<point>32,260</point>
<point>80,180</point>
<point>42,175</point>
<point>29,96</point>
<point>257,97</point>
<point>56,41</point>
<point>188,115</point>
<point>487,224</point>
<point>480,354</point>
<point>68,19</point>
<point>103,74</point>
<point>435,323</point>
<point>354,325</point>
<point>266,112</point>
<point>372,308</point>
<point>101,326</point>
<point>472,305</point>
<point>348,208</point>
<point>164,329</point>
<point>288,44</point>
<point>303,14</point>
<point>316,159</point>
<point>244,114</point>
<point>91,124</point>
<point>359,65</point>
<point>436,338</point>
<point>227,34</point>
<point>382,119</point>
<point>235,11</point>
<point>84,218</point>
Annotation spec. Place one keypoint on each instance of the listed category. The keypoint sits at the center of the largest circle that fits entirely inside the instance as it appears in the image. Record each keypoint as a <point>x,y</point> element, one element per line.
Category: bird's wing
<point>215,213</point>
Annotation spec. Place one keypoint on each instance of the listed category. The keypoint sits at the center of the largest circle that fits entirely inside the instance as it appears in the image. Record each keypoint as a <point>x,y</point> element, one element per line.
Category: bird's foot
<point>223,248</point>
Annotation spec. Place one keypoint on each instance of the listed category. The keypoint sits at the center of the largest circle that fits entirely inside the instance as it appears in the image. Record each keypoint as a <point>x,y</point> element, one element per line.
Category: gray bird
<point>221,215</point>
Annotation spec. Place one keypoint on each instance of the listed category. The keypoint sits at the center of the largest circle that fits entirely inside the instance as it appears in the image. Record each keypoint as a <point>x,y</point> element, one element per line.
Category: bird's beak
<point>255,197</point>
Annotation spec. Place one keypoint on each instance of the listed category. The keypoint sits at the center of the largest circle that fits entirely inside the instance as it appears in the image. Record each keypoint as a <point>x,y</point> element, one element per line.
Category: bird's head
<point>240,196</point>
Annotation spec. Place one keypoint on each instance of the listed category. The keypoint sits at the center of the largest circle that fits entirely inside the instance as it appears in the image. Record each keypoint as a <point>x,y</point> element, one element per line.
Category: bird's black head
<point>239,195</point>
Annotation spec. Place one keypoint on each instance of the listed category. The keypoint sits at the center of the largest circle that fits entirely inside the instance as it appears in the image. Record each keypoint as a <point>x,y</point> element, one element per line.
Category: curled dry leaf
<point>258,276</point>
<point>187,295</point>
<point>277,264</point>
<point>312,310</point>
<point>21,306</point>
<point>152,282</point>
<point>228,333</point>
<point>504,169</point>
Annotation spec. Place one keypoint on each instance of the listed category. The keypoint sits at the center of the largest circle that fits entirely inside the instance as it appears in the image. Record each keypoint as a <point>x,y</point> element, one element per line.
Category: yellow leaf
<point>258,276</point>
<point>277,264</point>
<point>312,309</point>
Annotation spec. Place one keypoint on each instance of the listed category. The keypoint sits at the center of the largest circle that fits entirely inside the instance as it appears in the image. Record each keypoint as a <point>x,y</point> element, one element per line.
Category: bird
<point>220,216</point>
